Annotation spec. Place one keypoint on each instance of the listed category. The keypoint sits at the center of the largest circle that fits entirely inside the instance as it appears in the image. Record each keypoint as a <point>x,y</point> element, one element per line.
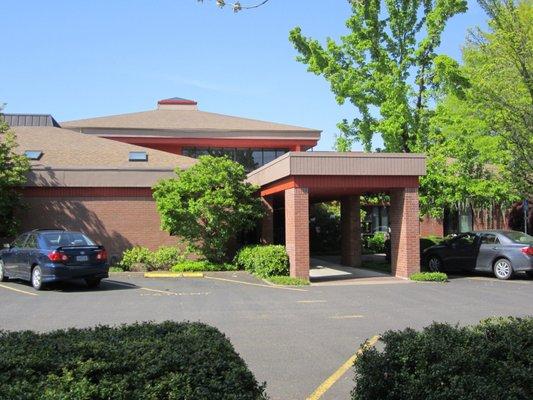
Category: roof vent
<point>138,156</point>
<point>33,154</point>
<point>177,103</point>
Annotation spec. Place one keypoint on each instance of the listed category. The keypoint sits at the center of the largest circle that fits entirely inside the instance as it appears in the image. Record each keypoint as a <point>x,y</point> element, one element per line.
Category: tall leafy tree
<point>387,66</point>
<point>207,205</point>
<point>13,171</point>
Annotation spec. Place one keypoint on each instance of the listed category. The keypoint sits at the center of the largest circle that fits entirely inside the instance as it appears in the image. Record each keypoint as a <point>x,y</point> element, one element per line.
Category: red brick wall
<point>297,230</point>
<point>116,222</point>
<point>405,232</point>
<point>431,227</point>
<point>351,231</point>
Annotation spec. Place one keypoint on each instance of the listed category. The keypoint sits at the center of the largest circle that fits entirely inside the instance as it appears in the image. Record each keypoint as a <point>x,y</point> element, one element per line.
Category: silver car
<point>498,251</point>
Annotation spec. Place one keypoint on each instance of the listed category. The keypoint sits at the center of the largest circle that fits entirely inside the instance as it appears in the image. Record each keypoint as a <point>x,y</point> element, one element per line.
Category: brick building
<point>95,175</point>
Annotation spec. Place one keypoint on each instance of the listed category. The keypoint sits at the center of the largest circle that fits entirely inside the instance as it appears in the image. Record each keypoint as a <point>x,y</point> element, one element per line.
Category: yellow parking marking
<point>346,316</point>
<point>328,383</point>
<point>311,301</point>
<point>18,290</point>
<point>256,284</point>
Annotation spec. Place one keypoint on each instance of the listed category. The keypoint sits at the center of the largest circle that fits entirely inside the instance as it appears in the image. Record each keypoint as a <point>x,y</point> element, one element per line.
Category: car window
<point>489,238</point>
<point>19,242</point>
<point>31,243</point>
<point>62,239</point>
<point>465,240</point>
<point>519,237</point>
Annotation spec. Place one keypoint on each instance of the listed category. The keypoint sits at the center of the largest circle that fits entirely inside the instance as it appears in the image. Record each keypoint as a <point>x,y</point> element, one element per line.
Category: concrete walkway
<point>327,271</point>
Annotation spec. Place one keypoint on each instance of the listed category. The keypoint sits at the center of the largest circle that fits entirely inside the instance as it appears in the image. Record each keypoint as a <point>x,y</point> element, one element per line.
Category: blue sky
<point>77,59</point>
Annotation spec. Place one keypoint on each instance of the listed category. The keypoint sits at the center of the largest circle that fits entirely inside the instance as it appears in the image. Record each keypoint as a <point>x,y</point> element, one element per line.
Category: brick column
<point>297,231</point>
<point>351,231</point>
<point>267,224</point>
<point>405,232</point>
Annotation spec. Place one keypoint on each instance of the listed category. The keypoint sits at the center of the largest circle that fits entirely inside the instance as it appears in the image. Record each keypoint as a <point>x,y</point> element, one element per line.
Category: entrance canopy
<point>301,178</point>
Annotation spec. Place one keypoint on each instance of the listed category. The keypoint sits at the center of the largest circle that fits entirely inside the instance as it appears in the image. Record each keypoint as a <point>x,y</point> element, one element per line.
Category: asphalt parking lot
<point>292,338</point>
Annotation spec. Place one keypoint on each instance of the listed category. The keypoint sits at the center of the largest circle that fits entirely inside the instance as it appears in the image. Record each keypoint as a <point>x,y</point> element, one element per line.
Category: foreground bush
<point>143,259</point>
<point>492,360</point>
<point>143,361</point>
<point>137,257</point>
<point>201,266</point>
<point>429,277</point>
<point>376,243</point>
<point>264,261</point>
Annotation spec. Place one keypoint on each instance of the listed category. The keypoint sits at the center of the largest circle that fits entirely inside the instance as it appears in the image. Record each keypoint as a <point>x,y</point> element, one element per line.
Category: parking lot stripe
<point>311,301</point>
<point>346,316</point>
<point>328,383</point>
<point>18,290</point>
<point>256,284</point>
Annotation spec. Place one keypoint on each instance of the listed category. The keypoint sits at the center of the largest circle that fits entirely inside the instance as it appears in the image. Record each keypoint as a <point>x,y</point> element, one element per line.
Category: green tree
<point>207,205</point>
<point>499,65</point>
<point>13,172</point>
<point>387,67</point>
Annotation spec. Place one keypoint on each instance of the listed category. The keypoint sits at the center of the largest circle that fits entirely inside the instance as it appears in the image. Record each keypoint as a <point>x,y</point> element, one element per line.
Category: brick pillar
<point>351,231</point>
<point>297,231</point>
<point>405,232</point>
<point>267,224</point>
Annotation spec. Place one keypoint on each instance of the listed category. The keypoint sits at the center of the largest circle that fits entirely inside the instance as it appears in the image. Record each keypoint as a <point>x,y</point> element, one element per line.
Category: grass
<point>429,277</point>
<point>287,281</point>
<point>115,269</point>
<point>202,266</point>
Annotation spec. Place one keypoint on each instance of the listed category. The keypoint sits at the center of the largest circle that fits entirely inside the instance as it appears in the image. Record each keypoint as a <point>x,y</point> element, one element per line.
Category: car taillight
<point>57,256</point>
<point>101,255</point>
<point>528,251</point>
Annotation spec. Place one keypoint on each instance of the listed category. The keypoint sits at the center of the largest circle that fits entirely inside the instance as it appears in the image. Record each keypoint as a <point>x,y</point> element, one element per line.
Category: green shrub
<point>167,256</point>
<point>376,243</point>
<point>135,256</point>
<point>170,360</point>
<point>115,269</point>
<point>429,277</point>
<point>492,360</point>
<point>287,281</point>
<point>201,266</point>
<point>264,261</point>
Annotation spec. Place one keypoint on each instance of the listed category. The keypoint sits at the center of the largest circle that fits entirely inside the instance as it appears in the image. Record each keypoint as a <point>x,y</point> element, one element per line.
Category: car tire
<point>93,282</point>
<point>434,264</point>
<point>503,269</point>
<point>37,278</point>
<point>529,274</point>
<point>3,276</point>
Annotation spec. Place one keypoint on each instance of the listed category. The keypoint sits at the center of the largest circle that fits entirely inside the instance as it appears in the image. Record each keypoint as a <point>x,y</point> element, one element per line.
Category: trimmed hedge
<point>492,360</point>
<point>264,261</point>
<point>200,266</point>
<point>429,277</point>
<point>142,361</point>
<point>140,258</point>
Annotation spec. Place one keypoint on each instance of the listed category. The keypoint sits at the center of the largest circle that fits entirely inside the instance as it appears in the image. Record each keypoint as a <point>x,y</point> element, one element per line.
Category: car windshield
<point>519,237</point>
<point>59,239</point>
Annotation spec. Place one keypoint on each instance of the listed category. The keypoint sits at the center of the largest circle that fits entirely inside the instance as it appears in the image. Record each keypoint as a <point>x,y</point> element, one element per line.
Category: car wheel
<point>503,269</point>
<point>529,274</point>
<point>3,276</point>
<point>434,264</point>
<point>93,282</point>
<point>37,278</point>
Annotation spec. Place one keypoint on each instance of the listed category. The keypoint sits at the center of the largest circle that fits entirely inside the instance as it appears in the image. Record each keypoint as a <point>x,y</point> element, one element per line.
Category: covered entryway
<point>297,179</point>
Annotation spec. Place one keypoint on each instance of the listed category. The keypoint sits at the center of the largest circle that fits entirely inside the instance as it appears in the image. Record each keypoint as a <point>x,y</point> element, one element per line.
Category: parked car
<point>43,256</point>
<point>498,251</point>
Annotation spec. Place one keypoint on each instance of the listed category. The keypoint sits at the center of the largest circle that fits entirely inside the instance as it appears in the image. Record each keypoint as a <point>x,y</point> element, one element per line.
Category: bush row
<point>492,360</point>
<point>264,261</point>
<point>143,259</point>
<point>142,361</point>
<point>429,277</point>
<point>202,265</point>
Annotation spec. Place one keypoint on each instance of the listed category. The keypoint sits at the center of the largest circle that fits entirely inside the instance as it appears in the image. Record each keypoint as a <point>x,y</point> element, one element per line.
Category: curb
<point>165,274</point>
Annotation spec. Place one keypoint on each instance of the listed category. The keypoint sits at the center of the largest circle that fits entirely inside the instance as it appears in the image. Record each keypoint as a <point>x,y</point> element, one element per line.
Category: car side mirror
<point>7,246</point>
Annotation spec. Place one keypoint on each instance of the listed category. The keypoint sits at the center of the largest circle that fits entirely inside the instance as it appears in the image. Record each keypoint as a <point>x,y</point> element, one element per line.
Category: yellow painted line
<point>346,316</point>
<point>173,275</point>
<point>18,290</point>
<point>328,383</point>
<point>255,284</point>
<point>311,301</point>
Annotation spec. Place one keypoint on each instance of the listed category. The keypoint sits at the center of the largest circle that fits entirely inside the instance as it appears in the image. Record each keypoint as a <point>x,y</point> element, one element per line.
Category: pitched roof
<point>189,120</point>
<point>29,120</point>
<point>66,148</point>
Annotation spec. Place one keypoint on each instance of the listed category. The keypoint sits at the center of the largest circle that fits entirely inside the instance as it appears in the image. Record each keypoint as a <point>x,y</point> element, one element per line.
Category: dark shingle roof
<point>29,120</point>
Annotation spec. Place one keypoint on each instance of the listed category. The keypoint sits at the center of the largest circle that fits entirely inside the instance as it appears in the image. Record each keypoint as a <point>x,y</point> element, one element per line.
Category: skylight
<point>138,156</point>
<point>33,154</point>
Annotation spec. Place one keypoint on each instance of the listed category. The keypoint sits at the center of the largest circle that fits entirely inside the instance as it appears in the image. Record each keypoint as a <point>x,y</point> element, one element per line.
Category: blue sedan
<point>498,251</point>
<point>46,256</point>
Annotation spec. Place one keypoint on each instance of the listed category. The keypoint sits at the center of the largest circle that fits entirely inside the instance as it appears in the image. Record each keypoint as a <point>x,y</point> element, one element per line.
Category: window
<point>489,238</point>
<point>249,158</point>
<point>268,155</point>
<point>467,239</point>
<point>20,241</point>
<point>32,242</point>
<point>58,239</point>
<point>138,156</point>
<point>33,154</point>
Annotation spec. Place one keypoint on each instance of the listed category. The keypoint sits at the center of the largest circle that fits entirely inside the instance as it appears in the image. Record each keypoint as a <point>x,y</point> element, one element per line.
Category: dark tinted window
<point>489,238</point>
<point>519,237</point>
<point>466,240</point>
<point>268,155</point>
<point>59,239</point>
<point>20,241</point>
